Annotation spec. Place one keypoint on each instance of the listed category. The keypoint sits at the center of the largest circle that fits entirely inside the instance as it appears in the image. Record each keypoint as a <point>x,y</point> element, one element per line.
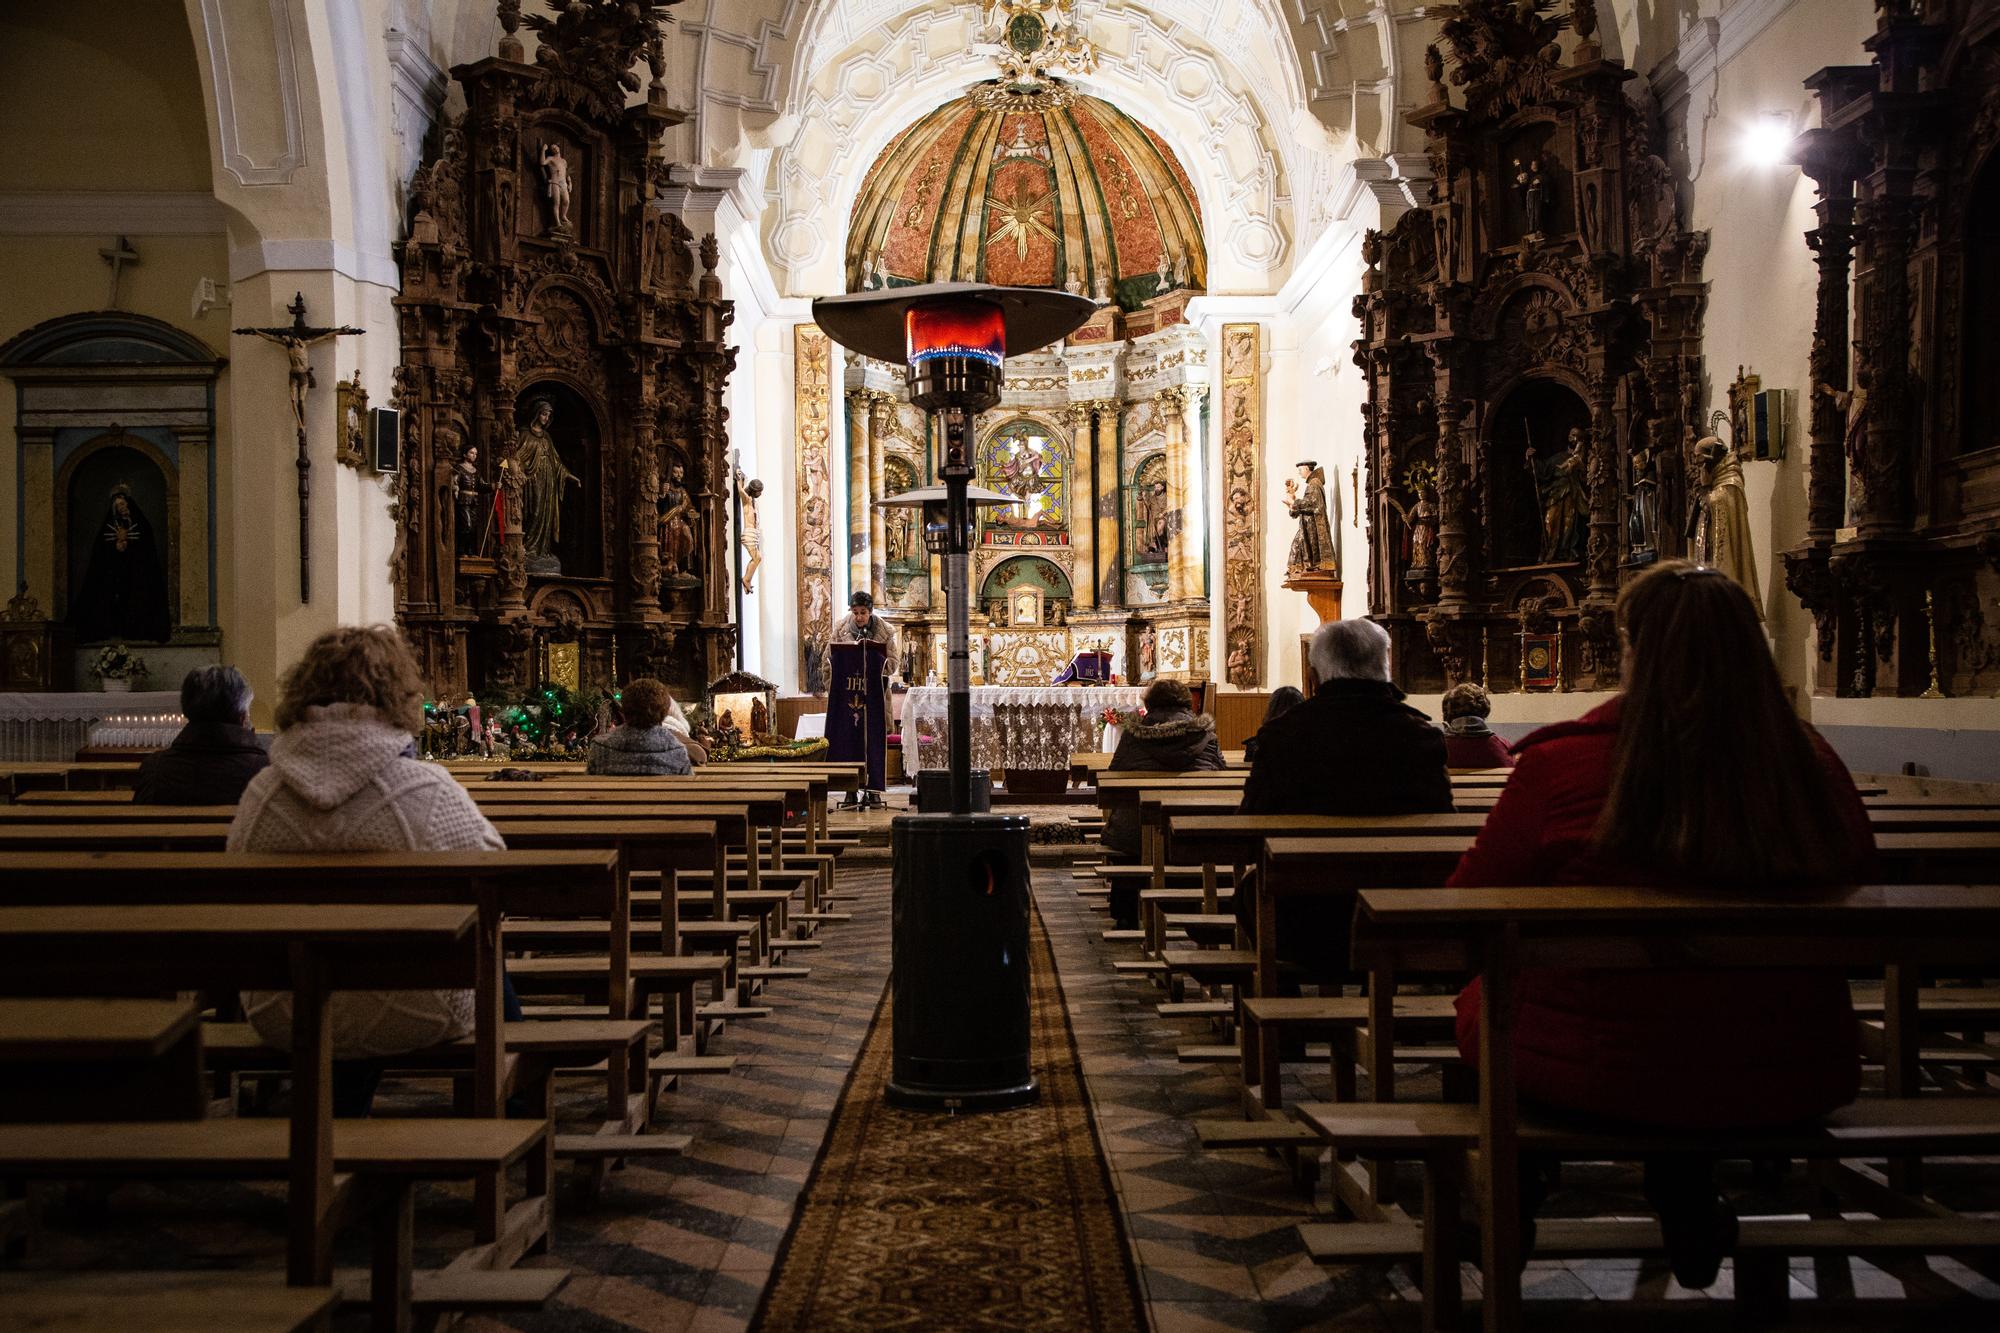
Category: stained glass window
<point>1026,459</point>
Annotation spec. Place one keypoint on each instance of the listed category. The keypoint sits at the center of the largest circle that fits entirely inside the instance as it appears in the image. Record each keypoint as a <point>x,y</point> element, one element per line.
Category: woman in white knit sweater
<point>342,779</point>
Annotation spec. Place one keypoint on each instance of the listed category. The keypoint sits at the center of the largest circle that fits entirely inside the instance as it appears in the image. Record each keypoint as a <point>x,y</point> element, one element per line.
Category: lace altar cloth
<point>1021,727</point>
<point>54,726</point>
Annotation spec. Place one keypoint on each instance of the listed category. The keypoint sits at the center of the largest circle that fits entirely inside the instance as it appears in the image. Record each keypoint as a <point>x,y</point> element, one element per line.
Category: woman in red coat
<point>1699,773</point>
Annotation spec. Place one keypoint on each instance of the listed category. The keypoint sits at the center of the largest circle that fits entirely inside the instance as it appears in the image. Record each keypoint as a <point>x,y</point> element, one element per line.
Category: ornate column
<point>1242,503</point>
<point>1453,543</point>
<point>859,422</point>
<point>812,374</point>
<point>1109,511</point>
<point>1832,244</point>
<point>1083,504</point>
<point>1171,404</point>
<point>1601,478</point>
<point>879,407</point>
<point>1887,228</point>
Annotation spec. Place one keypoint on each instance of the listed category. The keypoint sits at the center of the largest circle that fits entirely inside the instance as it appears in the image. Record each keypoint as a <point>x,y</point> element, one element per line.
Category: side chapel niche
<point>1532,345</point>
<point>563,488</point>
<point>1901,563</point>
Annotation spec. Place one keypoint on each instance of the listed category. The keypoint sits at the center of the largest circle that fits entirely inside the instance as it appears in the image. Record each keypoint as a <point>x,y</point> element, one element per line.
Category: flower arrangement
<point>117,662</point>
<point>1115,718</point>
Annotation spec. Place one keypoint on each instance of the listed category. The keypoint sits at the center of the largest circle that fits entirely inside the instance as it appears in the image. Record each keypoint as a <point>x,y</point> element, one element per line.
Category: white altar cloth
<point>1022,727</point>
<point>54,726</point>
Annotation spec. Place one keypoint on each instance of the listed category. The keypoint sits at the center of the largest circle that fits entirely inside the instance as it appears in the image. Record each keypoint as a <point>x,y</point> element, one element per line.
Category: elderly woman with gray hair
<point>215,755</point>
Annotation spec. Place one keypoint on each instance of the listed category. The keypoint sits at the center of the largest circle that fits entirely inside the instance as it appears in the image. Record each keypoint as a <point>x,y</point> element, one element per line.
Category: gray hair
<point>1350,650</point>
<point>215,694</point>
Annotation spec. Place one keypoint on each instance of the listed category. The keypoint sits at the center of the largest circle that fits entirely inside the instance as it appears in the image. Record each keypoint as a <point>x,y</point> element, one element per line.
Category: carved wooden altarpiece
<point>1532,343</point>
<point>1901,563</point>
<point>532,282</point>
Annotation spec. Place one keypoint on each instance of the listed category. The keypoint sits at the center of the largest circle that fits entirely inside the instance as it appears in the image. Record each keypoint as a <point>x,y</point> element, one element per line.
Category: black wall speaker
<point>386,424</point>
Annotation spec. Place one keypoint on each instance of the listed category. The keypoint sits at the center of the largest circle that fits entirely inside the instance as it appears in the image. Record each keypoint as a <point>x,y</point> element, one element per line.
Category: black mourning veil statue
<point>124,590</point>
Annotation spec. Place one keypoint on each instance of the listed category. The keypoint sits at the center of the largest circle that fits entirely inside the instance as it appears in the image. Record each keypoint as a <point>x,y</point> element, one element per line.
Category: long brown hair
<point>1713,777</point>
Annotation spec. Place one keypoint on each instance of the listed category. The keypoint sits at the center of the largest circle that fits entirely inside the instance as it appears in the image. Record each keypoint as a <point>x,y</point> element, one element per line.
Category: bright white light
<point>1767,140</point>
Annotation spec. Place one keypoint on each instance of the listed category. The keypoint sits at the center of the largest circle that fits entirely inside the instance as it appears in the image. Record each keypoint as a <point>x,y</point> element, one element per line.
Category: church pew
<point>97,1059</point>
<point>173,1302</point>
<point>1497,932</point>
<point>312,950</point>
<point>47,775</point>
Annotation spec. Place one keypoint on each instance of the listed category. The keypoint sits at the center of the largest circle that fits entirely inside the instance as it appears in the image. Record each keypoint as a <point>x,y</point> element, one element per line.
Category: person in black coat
<point>1353,748</point>
<point>1170,738</point>
<point>216,753</point>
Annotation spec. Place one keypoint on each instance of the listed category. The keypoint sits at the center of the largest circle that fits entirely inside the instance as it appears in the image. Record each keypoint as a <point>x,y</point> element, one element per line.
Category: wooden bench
<point>100,1059</point>
<point>311,950</point>
<point>157,1303</point>
<point>1895,929</point>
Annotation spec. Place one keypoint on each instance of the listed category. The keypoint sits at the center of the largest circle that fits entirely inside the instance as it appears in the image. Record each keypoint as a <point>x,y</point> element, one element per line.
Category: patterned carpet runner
<point>1001,1221</point>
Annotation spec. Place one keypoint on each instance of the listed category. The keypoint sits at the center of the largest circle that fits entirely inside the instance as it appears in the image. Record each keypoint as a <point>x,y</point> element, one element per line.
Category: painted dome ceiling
<point>1067,191</point>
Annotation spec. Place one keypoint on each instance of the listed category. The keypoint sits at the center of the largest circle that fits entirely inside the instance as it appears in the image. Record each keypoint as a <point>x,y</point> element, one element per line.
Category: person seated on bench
<point>1283,700</point>
<point>1468,741</point>
<point>340,781</point>
<point>1353,748</point>
<point>215,755</point>
<point>643,747</point>
<point>676,722</point>
<point>1699,773</point>
<point>1170,738</point>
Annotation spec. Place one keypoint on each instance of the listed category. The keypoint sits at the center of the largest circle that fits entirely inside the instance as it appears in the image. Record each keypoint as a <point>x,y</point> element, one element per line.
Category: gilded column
<point>1242,544</point>
<point>1110,548</point>
<point>859,421</point>
<point>812,377</point>
<point>880,405</point>
<point>1171,403</point>
<point>1083,504</point>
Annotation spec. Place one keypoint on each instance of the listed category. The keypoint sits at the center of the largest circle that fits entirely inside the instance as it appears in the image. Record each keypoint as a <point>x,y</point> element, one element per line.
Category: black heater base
<point>960,949</point>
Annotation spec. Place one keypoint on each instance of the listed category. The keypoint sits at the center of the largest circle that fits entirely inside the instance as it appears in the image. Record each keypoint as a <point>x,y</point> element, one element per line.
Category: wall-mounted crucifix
<point>296,338</point>
<point>118,255</point>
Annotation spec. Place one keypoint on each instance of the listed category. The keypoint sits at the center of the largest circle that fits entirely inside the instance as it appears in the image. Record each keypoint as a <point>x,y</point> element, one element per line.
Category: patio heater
<point>960,880</point>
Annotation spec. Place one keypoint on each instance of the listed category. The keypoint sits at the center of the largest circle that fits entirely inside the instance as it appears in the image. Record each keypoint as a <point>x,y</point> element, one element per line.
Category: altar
<point>54,726</point>
<point>1018,727</point>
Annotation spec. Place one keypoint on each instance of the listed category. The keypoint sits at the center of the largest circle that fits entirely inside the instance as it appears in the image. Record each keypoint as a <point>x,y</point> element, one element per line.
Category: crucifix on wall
<point>118,255</point>
<point>296,338</point>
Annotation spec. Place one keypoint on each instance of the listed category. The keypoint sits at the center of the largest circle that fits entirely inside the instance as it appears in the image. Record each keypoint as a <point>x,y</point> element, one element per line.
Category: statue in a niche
<point>1559,495</point>
<point>1305,500</point>
<point>677,542</point>
<point>543,477</point>
<point>124,592</point>
<point>1719,526</point>
<point>1533,191</point>
<point>465,489</point>
<point>1642,524</point>
<point>555,178</point>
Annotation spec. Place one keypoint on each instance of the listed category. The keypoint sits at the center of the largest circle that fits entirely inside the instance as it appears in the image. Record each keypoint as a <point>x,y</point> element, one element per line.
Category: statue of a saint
<point>677,541</point>
<point>543,477</point>
<point>1153,526</point>
<point>1305,500</point>
<point>1559,494</point>
<point>1853,405</point>
<point>124,590</point>
<point>760,719</point>
<point>1642,524</point>
<point>1719,531</point>
<point>555,178</point>
<point>465,490</point>
<point>749,529</point>
<point>1420,522</point>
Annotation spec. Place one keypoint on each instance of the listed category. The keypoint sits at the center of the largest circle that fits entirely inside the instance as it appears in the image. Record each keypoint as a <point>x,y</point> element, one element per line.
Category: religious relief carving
<point>1242,568</point>
<point>350,412</point>
<point>558,344</point>
<point>812,375</point>
<point>1530,345</point>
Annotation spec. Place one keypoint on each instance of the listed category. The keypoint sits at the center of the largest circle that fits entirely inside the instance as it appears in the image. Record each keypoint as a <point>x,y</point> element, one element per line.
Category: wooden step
<point>1255,1134</point>
<point>485,1290</point>
<point>613,1147</point>
<point>772,973</point>
<point>1116,936</point>
<point>781,945</point>
<point>674,1063</point>
<point>1138,965</point>
<point>716,1010</point>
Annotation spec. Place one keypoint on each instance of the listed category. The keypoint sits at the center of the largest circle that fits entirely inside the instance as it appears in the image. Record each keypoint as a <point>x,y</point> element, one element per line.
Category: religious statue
<point>1853,406</point>
<point>543,477</point>
<point>1719,526</point>
<point>1153,526</point>
<point>1534,193</point>
<point>1183,274</point>
<point>1434,72</point>
<point>352,448</point>
<point>900,526</point>
<point>555,176</point>
<point>677,540</point>
<point>760,719</point>
<point>1306,501</point>
<point>124,592</point>
<point>1642,524</point>
<point>749,529</point>
<point>465,490</point>
<point>1148,652</point>
<point>1559,495</point>
<point>1420,521</point>
<point>299,367</point>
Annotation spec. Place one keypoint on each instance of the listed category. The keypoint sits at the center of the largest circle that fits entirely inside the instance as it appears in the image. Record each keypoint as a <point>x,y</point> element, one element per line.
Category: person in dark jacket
<point>643,747</point>
<point>1283,700</point>
<point>1699,773</point>
<point>215,755</point>
<point>1170,738</point>
<point>1468,741</point>
<point>1353,748</point>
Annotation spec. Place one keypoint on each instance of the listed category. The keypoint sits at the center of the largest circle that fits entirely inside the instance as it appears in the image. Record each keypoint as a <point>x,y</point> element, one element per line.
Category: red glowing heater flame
<point>976,329</point>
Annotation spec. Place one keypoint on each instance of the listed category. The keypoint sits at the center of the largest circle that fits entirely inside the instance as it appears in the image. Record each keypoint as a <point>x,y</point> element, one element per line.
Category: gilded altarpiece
<point>1901,563</point>
<point>1531,342</point>
<point>563,480</point>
